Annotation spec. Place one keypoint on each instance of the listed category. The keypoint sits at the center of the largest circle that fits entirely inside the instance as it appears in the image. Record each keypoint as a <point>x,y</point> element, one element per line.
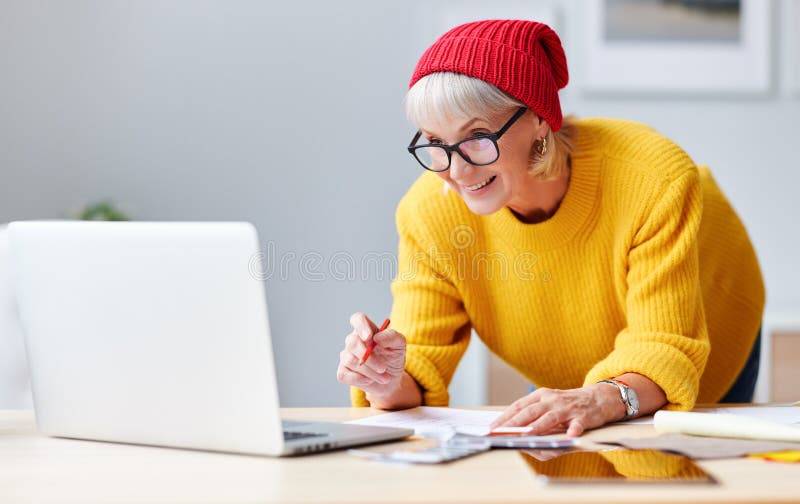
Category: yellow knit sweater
<point>644,268</point>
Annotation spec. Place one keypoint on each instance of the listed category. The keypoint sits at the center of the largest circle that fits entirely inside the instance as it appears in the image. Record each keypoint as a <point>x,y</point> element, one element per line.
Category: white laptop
<point>157,333</point>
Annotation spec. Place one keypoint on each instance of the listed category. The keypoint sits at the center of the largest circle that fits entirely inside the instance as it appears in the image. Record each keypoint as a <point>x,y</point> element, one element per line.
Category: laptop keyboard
<point>292,435</point>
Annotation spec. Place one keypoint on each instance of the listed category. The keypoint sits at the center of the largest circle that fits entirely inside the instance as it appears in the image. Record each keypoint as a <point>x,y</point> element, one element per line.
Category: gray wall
<point>288,114</point>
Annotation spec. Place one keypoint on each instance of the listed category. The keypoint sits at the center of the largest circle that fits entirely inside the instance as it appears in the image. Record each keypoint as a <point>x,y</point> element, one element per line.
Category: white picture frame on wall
<point>670,56</point>
<point>793,16</point>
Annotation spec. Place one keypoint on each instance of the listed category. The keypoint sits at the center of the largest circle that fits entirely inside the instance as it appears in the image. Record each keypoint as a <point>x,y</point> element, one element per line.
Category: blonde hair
<point>451,95</point>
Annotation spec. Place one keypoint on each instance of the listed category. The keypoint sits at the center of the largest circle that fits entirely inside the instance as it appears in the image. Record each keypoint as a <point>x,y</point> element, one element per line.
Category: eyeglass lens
<point>474,150</point>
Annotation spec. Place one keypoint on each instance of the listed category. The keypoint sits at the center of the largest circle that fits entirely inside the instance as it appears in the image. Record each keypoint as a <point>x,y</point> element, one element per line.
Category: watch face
<point>629,397</point>
<point>633,400</point>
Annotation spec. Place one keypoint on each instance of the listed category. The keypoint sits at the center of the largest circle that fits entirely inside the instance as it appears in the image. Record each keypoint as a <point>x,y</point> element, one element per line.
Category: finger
<point>576,427</point>
<point>349,377</point>
<point>357,347</point>
<point>374,362</point>
<point>390,339</point>
<point>362,325</point>
<point>353,363</point>
<point>514,409</point>
<point>527,415</point>
<point>354,344</point>
<point>386,362</point>
<point>520,404</point>
<point>365,374</point>
<point>547,422</point>
<point>505,416</point>
<point>389,352</point>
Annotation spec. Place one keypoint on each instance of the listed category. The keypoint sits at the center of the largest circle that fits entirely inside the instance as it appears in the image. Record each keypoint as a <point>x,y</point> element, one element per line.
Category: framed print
<point>677,47</point>
<point>793,48</point>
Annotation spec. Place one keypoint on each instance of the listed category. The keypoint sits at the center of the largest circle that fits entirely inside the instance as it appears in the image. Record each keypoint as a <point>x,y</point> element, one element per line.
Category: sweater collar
<point>575,213</point>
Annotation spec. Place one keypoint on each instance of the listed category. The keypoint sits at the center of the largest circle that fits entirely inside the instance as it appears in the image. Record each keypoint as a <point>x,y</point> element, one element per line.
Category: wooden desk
<point>34,468</point>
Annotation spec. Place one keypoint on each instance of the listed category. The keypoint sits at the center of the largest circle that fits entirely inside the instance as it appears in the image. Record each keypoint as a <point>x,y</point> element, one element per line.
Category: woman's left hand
<point>548,410</point>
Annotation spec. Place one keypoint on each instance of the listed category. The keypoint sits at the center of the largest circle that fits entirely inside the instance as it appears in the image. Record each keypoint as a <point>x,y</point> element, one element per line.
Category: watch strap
<point>628,396</point>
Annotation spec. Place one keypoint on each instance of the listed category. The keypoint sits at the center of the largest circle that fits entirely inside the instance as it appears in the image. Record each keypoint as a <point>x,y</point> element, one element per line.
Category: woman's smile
<point>480,187</point>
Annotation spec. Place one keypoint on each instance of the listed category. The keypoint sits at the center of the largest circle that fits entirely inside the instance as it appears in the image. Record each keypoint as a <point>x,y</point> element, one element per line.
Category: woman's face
<point>487,189</point>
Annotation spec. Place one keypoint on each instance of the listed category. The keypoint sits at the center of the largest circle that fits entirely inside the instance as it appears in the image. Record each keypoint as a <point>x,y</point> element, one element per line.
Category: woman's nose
<point>459,167</point>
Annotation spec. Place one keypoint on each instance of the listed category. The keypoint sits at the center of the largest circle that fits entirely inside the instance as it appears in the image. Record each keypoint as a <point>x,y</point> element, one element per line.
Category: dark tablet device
<point>616,466</point>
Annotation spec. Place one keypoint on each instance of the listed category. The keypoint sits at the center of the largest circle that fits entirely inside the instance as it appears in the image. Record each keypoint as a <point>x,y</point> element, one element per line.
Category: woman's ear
<point>542,129</point>
<point>540,125</point>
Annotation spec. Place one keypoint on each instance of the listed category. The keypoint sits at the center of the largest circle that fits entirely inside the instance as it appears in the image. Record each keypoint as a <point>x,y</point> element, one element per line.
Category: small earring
<point>542,148</point>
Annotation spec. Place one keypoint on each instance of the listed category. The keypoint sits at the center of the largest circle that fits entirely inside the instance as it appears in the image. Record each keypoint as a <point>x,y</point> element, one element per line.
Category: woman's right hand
<point>382,373</point>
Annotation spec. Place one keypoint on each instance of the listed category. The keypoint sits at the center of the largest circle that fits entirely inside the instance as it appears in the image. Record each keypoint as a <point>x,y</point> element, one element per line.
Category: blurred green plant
<point>102,211</point>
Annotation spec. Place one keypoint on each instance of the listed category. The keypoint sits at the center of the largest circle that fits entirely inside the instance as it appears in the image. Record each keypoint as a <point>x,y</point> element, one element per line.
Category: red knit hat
<point>522,58</point>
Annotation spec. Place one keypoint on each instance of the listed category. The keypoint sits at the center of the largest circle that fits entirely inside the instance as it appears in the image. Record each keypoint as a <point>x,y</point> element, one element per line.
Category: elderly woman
<point>593,255</point>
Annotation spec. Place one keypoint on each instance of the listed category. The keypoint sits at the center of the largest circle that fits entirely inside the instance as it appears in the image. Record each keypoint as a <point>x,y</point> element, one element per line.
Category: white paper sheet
<point>789,415</point>
<point>785,414</point>
<point>725,425</point>
<point>428,421</point>
<point>645,420</point>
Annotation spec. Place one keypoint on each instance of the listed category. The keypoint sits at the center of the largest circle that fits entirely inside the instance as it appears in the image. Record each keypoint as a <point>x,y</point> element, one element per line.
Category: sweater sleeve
<point>429,311</point>
<point>666,338</point>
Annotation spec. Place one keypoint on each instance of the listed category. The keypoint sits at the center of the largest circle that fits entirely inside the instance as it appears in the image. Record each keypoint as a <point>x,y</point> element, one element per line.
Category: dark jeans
<point>744,386</point>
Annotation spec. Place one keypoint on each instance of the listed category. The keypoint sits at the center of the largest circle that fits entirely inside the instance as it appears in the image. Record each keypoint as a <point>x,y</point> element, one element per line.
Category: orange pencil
<point>372,345</point>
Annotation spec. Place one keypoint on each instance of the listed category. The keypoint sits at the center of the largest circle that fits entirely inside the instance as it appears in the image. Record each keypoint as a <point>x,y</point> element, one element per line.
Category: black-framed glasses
<point>478,150</point>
